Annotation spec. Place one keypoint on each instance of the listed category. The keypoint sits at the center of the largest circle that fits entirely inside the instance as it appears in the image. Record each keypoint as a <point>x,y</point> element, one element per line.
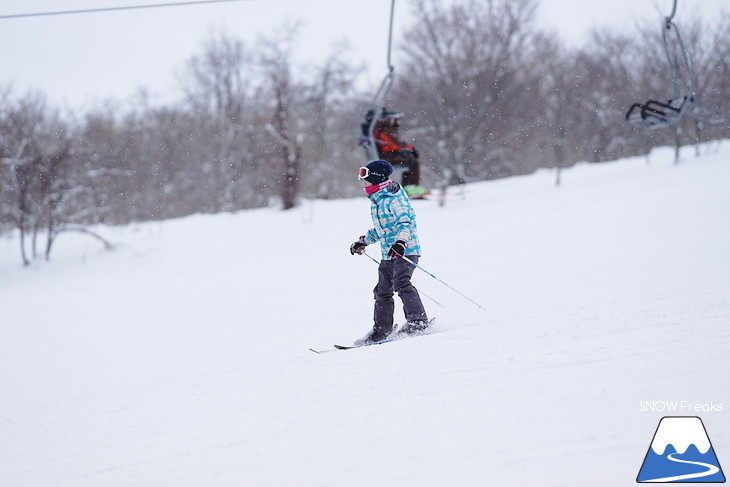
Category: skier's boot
<point>415,327</point>
<point>377,334</point>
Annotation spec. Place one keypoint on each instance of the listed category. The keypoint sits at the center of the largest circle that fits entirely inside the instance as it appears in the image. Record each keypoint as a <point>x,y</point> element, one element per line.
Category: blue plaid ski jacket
<point>393,220</point>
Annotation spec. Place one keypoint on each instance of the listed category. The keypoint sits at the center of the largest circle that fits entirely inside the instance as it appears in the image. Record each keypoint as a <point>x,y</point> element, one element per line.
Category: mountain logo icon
<point>680,452</point>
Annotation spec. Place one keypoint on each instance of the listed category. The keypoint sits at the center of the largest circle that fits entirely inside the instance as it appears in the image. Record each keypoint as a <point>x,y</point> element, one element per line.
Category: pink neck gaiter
<point>374,188</point>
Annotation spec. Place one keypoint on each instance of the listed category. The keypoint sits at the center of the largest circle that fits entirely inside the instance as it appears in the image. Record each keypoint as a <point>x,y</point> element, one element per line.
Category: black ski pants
<point>395,276</point>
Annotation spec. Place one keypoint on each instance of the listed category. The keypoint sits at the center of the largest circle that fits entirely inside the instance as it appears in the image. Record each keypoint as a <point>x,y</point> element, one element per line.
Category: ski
<point>324,351</point>
<point>350,347</point>
<point>397,336</point>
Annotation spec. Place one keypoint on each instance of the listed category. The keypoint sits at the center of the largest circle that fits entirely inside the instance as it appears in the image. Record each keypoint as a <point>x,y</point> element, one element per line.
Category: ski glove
<point>398,249</point>
<point>358,247</point>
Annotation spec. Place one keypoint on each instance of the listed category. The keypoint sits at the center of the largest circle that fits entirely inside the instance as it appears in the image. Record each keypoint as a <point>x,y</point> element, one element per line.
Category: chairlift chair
<point>656,114</point>
<point>653,113</point>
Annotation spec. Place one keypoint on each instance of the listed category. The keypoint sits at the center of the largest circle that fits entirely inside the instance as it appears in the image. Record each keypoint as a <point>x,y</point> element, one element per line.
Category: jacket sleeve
<point>403,222</point>
<point>371,236</point>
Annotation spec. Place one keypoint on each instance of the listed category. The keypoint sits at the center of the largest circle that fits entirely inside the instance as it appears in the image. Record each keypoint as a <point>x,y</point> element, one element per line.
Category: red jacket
<point>386,136</point>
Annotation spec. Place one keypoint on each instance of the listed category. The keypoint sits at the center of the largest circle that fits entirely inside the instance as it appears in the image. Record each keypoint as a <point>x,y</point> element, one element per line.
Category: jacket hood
<point>389,190</point>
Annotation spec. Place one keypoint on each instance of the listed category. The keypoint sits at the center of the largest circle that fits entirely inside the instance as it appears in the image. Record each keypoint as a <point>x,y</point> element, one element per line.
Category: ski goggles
<point>365,172</point>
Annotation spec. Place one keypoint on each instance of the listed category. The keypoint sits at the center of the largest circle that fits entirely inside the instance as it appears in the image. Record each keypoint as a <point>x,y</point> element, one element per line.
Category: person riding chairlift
<point>393,149</point>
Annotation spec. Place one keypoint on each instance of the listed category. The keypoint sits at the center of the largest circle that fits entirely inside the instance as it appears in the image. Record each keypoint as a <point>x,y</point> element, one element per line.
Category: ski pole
<point>445,284</point>
<point>371,258</point>
<point>419,292</point>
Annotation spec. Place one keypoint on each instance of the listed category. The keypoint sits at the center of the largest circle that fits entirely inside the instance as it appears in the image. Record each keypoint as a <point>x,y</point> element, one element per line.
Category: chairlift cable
<point>113,9</point>
<point>367,139</point>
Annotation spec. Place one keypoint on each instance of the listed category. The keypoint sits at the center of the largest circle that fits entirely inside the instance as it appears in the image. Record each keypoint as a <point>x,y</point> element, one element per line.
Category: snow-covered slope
<point>181,358</point>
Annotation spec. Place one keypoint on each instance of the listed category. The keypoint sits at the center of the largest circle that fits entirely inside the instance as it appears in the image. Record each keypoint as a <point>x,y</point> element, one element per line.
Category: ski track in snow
<point>181,359</point>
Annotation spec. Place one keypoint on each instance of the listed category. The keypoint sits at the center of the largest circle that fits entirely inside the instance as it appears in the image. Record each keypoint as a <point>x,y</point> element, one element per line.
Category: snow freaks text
<point>681,407</point>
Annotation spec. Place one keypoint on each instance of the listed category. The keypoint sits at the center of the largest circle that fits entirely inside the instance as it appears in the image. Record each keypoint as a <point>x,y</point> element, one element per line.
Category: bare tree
<point>557,98</point>
<point>328,116</point>
<point>218,84</point>
<point>466,79</point>
<point>37,155</point>
<point>23,129</point>
<point>708,48</point>
<point>281,89</point>
<point>221,94</point>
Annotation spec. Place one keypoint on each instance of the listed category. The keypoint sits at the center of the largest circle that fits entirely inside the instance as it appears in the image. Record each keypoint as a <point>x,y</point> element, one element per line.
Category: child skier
<point>394,225</point>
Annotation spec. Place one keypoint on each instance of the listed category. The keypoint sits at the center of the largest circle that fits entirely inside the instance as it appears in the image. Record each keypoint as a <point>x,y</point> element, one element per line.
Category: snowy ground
<point>181,358</point>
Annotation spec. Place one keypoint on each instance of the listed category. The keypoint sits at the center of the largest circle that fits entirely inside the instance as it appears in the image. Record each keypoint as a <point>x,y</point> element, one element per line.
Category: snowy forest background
<point>485,93</point>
